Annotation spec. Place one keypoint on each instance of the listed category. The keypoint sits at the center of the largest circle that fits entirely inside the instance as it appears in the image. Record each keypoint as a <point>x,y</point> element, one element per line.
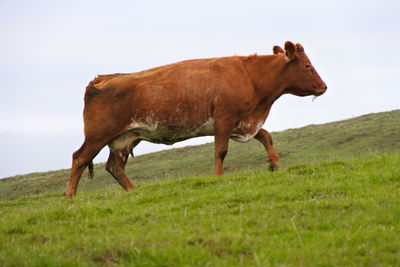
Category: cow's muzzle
<point>322,91</point>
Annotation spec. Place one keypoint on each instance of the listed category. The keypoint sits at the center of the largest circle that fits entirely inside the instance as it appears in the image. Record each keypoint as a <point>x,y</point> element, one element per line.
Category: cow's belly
<point>157,132</point>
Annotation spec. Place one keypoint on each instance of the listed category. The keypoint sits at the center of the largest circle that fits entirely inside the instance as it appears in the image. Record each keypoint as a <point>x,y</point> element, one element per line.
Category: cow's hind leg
<point>80,160</point>
<point>116,165</point>
<point>265,138</point>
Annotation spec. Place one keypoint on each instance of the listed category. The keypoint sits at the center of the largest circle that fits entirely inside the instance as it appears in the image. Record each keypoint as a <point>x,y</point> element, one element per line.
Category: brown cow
<point>227,97</point>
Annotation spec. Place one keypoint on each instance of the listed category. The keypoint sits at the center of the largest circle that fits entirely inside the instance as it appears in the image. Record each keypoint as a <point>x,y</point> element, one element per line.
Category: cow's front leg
<point>221,141</point>
<point>266,139</point>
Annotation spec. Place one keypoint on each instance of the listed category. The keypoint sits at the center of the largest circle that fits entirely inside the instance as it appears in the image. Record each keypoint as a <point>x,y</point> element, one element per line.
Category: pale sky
<point>50,50</point>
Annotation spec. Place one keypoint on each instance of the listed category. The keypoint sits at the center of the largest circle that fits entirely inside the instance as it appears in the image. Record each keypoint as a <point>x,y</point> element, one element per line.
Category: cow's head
<point>300,76</point>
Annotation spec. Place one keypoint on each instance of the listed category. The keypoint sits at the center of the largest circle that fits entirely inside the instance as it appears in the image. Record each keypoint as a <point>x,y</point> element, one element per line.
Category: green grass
<point>334,212</point>
<point>377,132</point>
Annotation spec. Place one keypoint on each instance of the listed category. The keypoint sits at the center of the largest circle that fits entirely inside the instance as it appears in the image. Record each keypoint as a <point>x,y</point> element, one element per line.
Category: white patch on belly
<point>247,127</point>
<point>207,128</point>
<point>243,125</point>
<point>148,125</point>
<point>156,132</point>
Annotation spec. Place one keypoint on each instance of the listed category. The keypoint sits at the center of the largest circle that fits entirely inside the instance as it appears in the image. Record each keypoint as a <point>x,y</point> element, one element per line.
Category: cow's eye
<point>308,66</point>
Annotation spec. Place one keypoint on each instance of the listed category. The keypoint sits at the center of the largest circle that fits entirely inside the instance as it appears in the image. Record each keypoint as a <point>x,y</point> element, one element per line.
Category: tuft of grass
<point>336,212</point>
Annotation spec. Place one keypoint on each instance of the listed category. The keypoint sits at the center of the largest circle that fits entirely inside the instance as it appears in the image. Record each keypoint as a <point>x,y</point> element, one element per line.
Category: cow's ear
<point>299,48</point>
<point>278,50</point>
<point>290,50</point>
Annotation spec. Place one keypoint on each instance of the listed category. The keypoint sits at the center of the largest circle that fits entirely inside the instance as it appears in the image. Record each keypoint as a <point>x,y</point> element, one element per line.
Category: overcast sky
<point>50,50</point>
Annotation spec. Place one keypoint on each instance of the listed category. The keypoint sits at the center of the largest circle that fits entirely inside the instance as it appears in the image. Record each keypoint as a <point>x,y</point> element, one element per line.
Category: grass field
<point>379,132</point>
<point>334,202</point>
<point>331,213</point>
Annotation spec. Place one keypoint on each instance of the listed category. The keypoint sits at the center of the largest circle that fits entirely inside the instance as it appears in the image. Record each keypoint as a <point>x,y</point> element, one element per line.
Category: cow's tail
<point>91,172</point>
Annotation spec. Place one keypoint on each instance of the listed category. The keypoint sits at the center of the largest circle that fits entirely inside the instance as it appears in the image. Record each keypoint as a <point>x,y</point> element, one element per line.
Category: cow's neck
<point>265,73</point>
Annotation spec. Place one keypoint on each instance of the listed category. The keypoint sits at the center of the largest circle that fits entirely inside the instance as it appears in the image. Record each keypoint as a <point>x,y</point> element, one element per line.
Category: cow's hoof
<point>273,167</point>
<point>67,196</point>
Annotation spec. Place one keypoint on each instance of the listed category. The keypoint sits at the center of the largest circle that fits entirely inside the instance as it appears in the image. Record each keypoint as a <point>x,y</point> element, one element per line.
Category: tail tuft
<point>91,172</point>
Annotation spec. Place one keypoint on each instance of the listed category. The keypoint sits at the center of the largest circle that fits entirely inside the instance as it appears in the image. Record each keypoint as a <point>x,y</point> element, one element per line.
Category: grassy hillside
<point>331,213</point>
<point>371,133</point>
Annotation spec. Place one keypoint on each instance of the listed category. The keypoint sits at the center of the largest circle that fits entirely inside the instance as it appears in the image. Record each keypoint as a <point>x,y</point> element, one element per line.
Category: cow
<point>224,97</point>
